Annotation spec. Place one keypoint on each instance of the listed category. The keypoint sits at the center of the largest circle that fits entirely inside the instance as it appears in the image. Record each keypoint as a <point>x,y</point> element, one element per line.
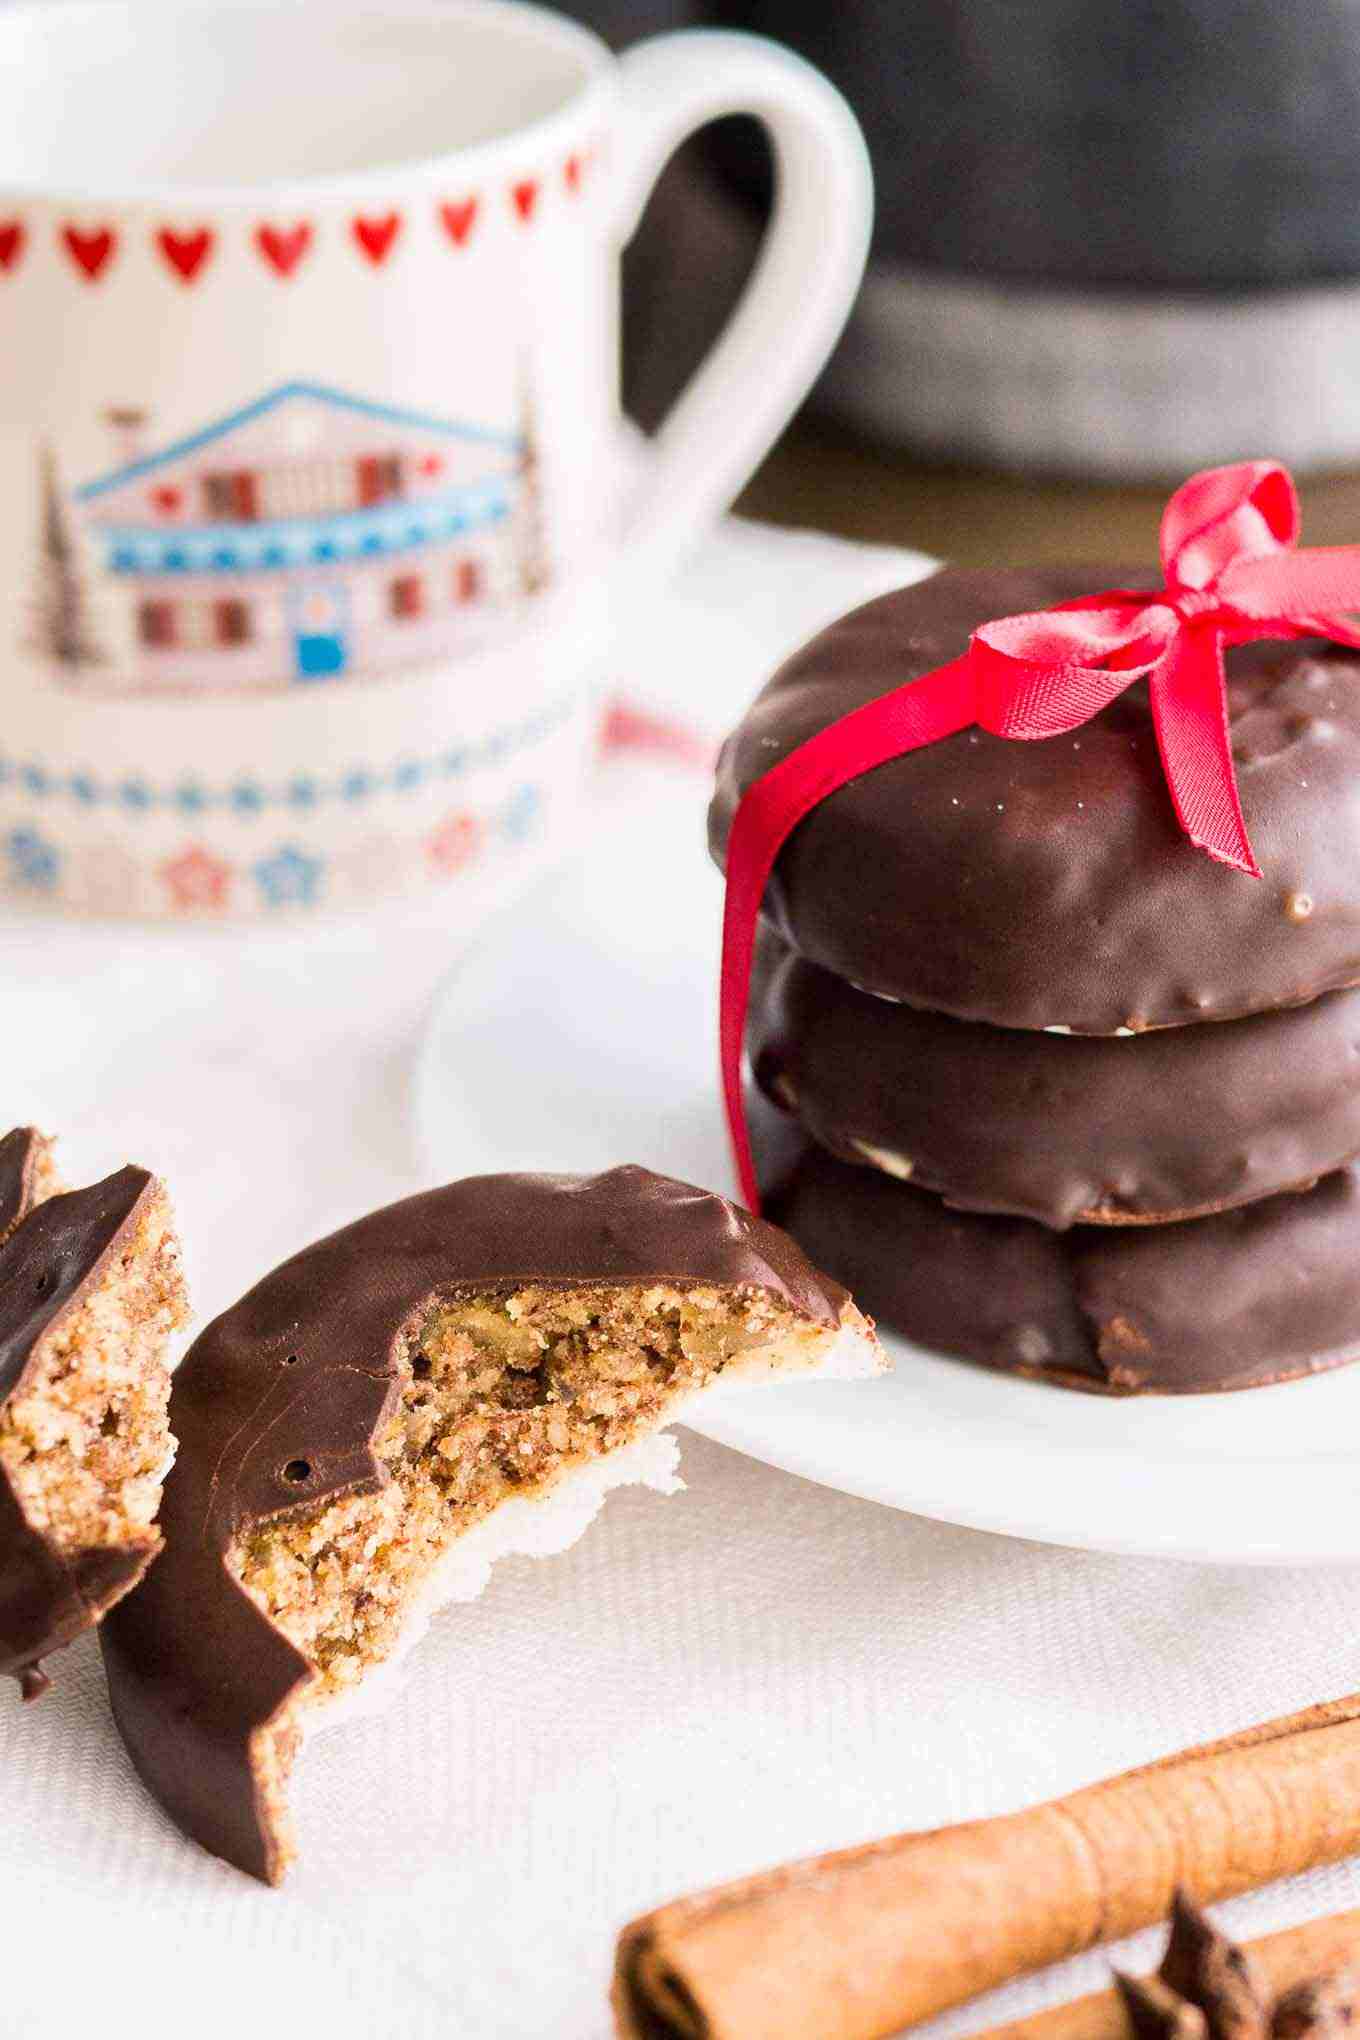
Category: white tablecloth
<point>754,1669</point>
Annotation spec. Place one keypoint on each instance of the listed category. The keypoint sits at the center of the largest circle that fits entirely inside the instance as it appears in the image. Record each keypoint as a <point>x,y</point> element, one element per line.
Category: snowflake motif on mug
<point>520,816</point>
<point>135,795</point>
<point>302,792</point>
<point>189,797</point>
<point>289,878</point>
<point>33,862</point>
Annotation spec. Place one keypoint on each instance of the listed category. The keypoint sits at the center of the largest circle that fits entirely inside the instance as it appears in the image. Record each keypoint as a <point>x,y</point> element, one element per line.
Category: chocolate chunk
<point>54,1256</point>
<point>20,1153</point>
<point>1049,884</point>
<point>278,1407</point>
<point>1062,1129</point>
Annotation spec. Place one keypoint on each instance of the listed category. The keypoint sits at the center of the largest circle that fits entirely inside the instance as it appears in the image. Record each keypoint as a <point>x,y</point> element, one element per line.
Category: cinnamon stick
<point>1283,1961</point>
<point>858,1944</point>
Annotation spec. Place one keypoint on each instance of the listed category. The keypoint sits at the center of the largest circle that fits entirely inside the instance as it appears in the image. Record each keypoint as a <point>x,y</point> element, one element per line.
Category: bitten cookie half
<point>460,1376</point>
<point>90,1292</point>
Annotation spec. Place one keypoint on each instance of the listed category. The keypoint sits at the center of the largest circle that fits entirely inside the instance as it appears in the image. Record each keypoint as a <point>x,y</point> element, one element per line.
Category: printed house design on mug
<point>309,536</point>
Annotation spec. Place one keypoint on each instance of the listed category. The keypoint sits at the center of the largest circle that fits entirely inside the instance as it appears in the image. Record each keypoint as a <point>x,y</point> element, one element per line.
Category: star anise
<point>1208,1989</point>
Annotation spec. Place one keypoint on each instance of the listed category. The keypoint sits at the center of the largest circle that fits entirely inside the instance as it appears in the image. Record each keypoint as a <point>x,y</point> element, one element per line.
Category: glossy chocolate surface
<point>278,1401</point>
<point>1062,1128</point>
<point>49,1257</point>
<point>1251,1296</point>
<point>1048,883</point>
<point>19,1153</point>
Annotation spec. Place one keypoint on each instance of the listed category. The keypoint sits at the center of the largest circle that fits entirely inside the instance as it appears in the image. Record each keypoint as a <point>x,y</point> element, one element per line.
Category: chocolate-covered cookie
<point>459,1375</point>
<point>1048,884</point>
<point>1255,1295</point>
<point>90,1289</point>
<point>1166,1125</point>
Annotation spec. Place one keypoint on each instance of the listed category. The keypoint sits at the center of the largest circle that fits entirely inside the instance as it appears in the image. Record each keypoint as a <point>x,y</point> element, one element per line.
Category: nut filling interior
<point>84,1440</point>
<point>500,1395</point>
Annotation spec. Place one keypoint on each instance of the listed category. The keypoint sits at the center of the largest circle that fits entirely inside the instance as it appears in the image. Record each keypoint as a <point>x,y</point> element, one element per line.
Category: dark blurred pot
<point>1172,144</point>
<point>1124,239</point>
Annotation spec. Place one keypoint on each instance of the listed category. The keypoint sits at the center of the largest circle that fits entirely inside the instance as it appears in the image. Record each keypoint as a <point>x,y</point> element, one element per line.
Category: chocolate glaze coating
<point>1049,884</point>
<point>19,1154</point>
<point>1256,1295</point>
<point>1058,1128</point>
<point>300,1374</point>
<point>49,1258</point>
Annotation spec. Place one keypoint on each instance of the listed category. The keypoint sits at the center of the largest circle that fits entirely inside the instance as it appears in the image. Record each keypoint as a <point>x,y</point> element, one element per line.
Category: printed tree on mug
<point>65,632</point>
<point>534,568</point>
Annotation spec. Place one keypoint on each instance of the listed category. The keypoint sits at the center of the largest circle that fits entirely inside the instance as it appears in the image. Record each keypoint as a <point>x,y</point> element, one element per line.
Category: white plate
<point>582,1032</point>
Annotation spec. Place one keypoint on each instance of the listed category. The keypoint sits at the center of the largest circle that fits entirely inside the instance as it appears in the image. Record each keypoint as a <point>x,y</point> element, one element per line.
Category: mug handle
<point>800,292</point>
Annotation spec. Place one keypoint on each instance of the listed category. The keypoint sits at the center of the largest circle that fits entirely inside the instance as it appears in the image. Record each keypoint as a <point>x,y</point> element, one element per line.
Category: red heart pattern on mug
<point>12,239</point>
<point>90,252</point>
<point>459,220</point>
<point>375,237</point>
<point>167,500</point>
<point>283,247</point>
<point>186,253</point>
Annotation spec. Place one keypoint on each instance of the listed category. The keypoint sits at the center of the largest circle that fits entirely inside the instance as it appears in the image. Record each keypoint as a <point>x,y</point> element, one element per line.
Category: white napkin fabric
<point>755,1669</point>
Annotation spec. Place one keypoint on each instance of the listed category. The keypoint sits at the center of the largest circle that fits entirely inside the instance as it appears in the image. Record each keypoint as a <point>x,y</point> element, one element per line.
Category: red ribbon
<point>1233,574</point>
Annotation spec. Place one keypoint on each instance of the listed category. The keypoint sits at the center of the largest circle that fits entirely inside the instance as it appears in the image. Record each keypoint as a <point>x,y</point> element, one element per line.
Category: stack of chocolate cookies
<point>1043,1084</point>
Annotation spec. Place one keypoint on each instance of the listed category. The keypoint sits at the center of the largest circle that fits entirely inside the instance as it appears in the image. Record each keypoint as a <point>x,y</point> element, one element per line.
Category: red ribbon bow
<point>1233,574</point>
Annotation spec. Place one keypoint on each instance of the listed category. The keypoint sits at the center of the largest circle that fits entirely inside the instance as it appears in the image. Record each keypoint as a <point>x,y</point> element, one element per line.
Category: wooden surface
<point>823,477</point>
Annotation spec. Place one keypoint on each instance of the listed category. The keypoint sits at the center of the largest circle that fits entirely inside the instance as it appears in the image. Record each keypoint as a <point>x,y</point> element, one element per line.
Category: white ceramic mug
<point>309,426</point>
